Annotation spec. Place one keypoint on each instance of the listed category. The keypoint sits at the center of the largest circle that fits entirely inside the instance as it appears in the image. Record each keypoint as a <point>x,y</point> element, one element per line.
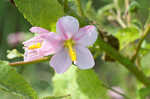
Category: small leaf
<point>127,35</point>
<point>133,7</point>
<point>144,92</point>
<point>13,54</point>
<point>13,82</point>
<point>43,13</point>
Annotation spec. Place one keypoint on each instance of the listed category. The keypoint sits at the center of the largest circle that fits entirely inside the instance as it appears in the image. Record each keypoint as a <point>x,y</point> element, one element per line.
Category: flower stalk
<point>79,8</point>
<point>21,63</point>
<point>65,5</point>
<point>146,32</point>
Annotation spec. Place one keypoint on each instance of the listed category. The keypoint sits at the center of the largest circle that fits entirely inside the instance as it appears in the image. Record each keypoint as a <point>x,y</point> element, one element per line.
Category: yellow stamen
<point>35,46</point>
<point>72,52</point>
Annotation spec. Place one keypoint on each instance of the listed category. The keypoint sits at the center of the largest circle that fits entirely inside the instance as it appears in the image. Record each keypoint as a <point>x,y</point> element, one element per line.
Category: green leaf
<point>43,13</point>
<point>127,35</point>
<point>12,81</point>
<point>13,54</point>
<point>133,7</point>
<point>145,48</point>
<point>145,63</point>
<point>90,84</point>
<point>80,84</point>
<point>144,10</point>
<point>144,92</point>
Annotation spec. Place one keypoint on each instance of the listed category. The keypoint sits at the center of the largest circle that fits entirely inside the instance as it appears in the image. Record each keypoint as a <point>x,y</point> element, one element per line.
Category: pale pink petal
<point>84,58</point>
<point>38,30</point>
<point>67,26</point>
<point>46,49</point>
<point>86,35</point>
<point>61,61</point>
<point>30,55</point>
<point>53,40</point>
<point>32,41</point>
<point>51,37</point>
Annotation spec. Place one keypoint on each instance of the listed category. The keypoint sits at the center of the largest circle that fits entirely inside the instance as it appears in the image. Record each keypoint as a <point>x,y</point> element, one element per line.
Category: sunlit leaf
<point>43,13</point>
<point>80,84</point>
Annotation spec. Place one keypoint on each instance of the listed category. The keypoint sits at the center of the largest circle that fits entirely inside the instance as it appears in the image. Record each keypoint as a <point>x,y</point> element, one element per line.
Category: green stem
<point>146,32</point>
<point>54,97</point>
<point>29,62</point>
<point>128,16</point>
<point>120,21</point>
<point>65,5</point>
<point>118,16</point>
<point>79,8</point>
<point>125,62</point>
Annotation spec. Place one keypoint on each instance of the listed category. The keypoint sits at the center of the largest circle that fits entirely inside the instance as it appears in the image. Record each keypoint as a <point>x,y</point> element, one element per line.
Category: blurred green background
<point>14,29</point>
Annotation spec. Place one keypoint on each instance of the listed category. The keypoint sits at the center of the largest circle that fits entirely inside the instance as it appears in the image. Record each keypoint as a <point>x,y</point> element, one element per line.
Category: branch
<point>125,62</point>
<point>128,64</point>
<point>147,30</point>
<point>120,21</point>
<point>65,5</point>
<point>118,16</point>
<point>29,62</point>
<point>127,14</point>
<point>54,97</point>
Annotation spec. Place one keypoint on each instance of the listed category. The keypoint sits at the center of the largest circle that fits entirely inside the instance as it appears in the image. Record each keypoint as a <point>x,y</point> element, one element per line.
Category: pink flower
<point>70,44</point>
<point>15,38</point>
<point>36,47</point>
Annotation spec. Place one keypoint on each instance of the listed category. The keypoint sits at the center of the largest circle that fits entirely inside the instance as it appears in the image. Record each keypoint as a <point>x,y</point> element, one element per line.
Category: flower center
<point>35,46</point>
<point>72,53</point>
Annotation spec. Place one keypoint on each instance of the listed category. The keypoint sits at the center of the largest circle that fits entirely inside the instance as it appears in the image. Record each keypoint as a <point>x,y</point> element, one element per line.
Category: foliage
<point>12,81</point>
<point>13,54</point>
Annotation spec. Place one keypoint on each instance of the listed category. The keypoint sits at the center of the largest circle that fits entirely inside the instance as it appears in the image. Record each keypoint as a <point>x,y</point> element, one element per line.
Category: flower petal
<point>67,26</point>
<point>32,41</point>
<point>51,37</point>
<point>61,61</point>
<point>84,58</point>
<point>46,49</point>
<point>53,40</point>
<point>38,30</point>
<point>86,35</point>
<point>30,55</point>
